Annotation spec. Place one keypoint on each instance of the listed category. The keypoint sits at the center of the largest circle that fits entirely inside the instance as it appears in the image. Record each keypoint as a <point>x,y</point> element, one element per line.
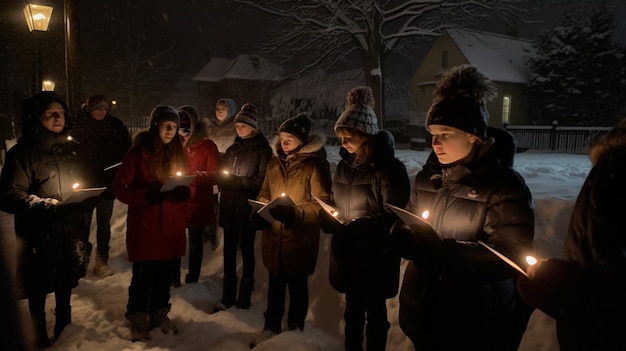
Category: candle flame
<point>179,174</point>
<point>225,172</point>
<point>425,214</point>
<point>75,185</point>
<point>335,213</point>
<point>531,260</point>
<point>282,194</point>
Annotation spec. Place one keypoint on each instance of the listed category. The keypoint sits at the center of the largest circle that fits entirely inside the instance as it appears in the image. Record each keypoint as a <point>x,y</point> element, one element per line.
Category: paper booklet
<point>113,166</point>
<point>329,209</point>
<point>409,218</point>
<point>81,194</point>
<point>263,209</point>
<point>175,181</point>
<point>504,258</point>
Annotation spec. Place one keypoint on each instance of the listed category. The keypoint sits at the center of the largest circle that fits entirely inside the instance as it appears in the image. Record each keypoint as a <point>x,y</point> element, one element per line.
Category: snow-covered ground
<point>98,306</point>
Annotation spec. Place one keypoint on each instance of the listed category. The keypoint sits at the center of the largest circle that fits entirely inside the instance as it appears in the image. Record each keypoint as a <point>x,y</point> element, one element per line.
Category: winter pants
<point>360,308</point>
<point>298,302</point>
<point>196,251</point>
<point>244,238</point>
<point>63,311</point>
<point>150,286</point>
<point>104,210</point>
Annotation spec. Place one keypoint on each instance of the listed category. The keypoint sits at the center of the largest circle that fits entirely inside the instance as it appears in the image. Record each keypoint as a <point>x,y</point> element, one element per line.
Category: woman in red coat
<point>203,158</point>
<point>155,230</point>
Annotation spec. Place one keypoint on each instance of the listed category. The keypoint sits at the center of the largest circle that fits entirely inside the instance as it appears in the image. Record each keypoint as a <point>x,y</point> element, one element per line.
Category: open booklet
<point>175,181</point>
<point>504,258</point>
<point>264,208</point>
<point>411,219</point>
<point>80,195</point>
<point>329,209</point>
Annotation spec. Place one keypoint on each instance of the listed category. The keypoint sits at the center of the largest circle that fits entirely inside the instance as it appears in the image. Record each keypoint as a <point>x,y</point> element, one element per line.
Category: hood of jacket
<point>199,133</point>
<point>383,144</point>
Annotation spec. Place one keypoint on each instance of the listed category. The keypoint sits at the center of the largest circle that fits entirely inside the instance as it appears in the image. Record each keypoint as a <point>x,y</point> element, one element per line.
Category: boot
<point>139,326</point>
<point>264,335</point>
<point>63,318</point>
<point>271,328</point>
<point>376,335</point>
<point>42,340</point>
<point>228,294</point>
<point>101,268</point>
<point>245,293</point>
<point>159,319</point>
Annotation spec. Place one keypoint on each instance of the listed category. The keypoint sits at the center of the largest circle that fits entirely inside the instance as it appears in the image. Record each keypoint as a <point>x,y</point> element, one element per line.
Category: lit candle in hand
<point>425,214</point>
<point>75,185</point>
<point>178,174</point>
<point>282,194</point>
<point>335,213</point>
<point>531,260</point>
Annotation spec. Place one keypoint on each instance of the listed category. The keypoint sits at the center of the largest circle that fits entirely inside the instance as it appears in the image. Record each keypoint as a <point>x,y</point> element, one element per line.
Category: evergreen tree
<point>578,73</point>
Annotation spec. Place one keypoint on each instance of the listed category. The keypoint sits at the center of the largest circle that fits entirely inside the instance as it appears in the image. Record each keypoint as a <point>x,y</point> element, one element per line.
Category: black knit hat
<point>298,126</point>
<point>459,101</point>
<point>247,114</point>
<point>95,102</point>
<point>164,113</point>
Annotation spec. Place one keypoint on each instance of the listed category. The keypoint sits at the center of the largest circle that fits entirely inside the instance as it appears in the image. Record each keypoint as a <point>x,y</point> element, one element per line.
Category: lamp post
<point>38,20</point>
<point>47,85</point>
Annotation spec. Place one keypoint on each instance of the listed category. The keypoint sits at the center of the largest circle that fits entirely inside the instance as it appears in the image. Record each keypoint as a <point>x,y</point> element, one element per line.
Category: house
<point>502,58</point>
<point>245,78</point>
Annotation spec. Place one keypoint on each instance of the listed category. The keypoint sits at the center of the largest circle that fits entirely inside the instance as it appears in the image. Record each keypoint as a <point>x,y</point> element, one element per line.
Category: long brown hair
<point>363,155</point>
<point>167,159</point>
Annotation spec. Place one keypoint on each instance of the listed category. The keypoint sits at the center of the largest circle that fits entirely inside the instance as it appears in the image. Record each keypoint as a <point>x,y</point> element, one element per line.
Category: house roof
<point>501,57</point>
<point>248,67</point>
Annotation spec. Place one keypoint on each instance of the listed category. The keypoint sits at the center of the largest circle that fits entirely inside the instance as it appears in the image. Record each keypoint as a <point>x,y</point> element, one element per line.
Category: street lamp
<point>38,20</point>
<point>47,85</point>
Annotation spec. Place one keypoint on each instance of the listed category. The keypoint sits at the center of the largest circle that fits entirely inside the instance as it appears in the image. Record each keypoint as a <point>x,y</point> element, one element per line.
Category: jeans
<point>104,210</point>
<point>360,308</point>
<point>239,237</point>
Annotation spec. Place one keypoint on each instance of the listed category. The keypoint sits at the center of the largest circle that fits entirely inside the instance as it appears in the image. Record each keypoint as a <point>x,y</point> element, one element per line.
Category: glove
<point>154,197</point>
<point>548,286</point>
<point>402,241</point>
<point>258,222</point>
<point>229,181</point>
<point>283,214</point>
<point>328,223</point>
<point>180,193</point>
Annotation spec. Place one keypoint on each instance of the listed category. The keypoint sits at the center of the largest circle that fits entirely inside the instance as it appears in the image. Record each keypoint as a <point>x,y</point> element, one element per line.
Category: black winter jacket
<point>362,263</point>
<point>39,171</point>
<point>466,299</point>
<point>247,159</point>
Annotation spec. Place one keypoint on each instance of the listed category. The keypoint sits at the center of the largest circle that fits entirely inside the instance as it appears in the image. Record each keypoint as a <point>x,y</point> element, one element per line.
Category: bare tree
<point>313,34</point>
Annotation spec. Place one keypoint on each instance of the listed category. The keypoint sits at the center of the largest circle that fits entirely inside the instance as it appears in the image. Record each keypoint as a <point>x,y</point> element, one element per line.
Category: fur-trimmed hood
<point>315,144</point>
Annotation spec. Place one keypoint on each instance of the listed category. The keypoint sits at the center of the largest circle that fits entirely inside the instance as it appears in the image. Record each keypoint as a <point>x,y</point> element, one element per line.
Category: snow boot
<point>41,338</point>
<point>63,318</point>
<point>139,326</point>
<point>229,294</point>
<point>159,319</point>
<point>101,268</point>
<point>245,293</point>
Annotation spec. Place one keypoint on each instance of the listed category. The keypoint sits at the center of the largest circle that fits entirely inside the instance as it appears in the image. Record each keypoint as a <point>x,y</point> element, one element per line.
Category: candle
<point>531,260</point>
<point>335,213</point>
<point>75,185</point>
<point>178,174</point>
<point>226,172</point>
<point>425,214</point>
<point>282,194</point>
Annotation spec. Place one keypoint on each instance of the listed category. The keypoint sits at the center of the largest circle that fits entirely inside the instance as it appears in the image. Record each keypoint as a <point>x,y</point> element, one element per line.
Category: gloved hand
<point>402,240</point>
<point>258,222</point>
<point>180,193</point>
<point>154,197</point>
<point>229,181</point>
<point>283,214</point>
<point>549,286</point>
<point>358,226</point>
<point>328,223</point>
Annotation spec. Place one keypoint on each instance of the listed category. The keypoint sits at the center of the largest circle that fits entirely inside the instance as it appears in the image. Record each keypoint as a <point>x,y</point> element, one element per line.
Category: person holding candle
<point>203,161</point>
<point>239,177</point>
<point>362,264</point>
<point>584,291</point>
<point>298,169</point>
<point>39,174</point>
<point>155,229</point>
<point>456,294</point>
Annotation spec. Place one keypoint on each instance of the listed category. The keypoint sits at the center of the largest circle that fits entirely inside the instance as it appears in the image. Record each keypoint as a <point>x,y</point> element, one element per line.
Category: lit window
<point>506,109</point>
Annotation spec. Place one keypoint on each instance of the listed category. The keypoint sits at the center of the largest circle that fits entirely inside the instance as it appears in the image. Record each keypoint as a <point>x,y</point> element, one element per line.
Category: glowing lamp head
<point>75,185</point>
<point>425,214</point>
<point>531,260</point>
<point>178,174</point>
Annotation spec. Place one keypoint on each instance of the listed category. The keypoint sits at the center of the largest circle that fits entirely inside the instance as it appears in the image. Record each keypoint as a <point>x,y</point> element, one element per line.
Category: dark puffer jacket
<point>247,159</point>
<point>362,263</point>
<point>43,166</point>
<point>291,250</point>
<point>103,143</point>
<point>467,300</point>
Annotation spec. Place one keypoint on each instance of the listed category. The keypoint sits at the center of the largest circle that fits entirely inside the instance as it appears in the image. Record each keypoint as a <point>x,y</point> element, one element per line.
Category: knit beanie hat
<point>95,102</point>
<point>298,126</point>
<point>164,113</point>
<point>359,113</point>
<point>247,114</point>
<point>459,101</point>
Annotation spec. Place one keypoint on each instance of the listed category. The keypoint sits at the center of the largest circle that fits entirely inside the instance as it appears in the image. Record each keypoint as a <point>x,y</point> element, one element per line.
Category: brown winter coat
<point>291,250</point>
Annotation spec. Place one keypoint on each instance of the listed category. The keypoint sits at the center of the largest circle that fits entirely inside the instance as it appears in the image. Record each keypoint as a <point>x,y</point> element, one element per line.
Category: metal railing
<point>556,138</point>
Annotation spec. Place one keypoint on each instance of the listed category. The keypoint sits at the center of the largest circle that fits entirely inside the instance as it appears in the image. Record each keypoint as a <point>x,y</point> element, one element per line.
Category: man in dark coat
<point>103,140</point>
<point>36,180</point>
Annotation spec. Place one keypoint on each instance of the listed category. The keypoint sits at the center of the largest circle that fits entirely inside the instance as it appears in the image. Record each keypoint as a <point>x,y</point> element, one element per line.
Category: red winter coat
<point>203,159</point>
<point>153,232</point>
